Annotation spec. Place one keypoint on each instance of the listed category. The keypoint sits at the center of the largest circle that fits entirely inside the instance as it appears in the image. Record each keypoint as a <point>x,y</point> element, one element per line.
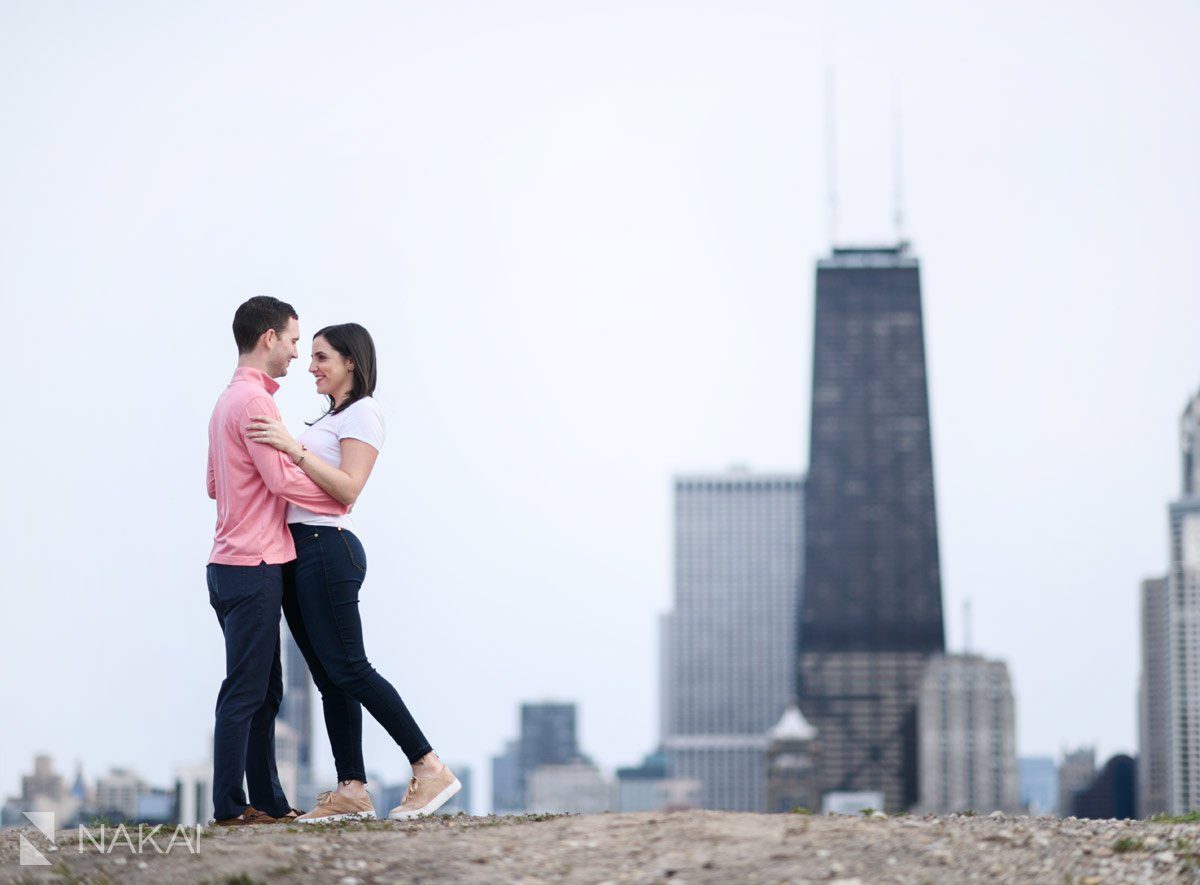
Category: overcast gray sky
<point>583,235</point>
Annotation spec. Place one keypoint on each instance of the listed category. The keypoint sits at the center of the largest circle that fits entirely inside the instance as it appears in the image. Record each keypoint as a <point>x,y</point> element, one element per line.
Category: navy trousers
<point>247,601</point>
<point>320,602</point>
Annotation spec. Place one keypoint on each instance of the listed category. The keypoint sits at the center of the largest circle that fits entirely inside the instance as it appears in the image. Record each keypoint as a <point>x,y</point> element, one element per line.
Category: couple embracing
<point>285,543</point>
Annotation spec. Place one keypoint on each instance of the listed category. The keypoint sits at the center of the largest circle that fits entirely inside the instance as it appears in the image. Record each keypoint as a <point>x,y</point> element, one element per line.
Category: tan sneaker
<point>426,795</point>
<point>250,816</point>
<point>333,806</point>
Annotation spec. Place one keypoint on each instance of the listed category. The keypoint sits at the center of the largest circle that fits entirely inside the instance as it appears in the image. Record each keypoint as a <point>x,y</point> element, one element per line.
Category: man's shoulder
<point>240,396</point>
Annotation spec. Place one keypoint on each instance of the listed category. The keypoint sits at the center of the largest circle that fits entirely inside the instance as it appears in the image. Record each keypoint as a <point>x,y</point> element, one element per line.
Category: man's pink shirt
<point>251,481</point>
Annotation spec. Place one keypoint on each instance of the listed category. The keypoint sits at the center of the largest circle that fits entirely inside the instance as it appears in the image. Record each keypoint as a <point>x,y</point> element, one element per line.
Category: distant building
<point>967,736</point>
<point>155,805</point>
<point>297,712</point>
<point>1075,774</point>
<point>79,789</point>
<point>575,787</point>
<point>507,789</point>
<point>871,609</point>
<point>42,790</point>
<point>1112,793</point>
<point>1154,700</point>
<point>728,647</point>
<point>387,797</point>
<point>117,795</point>
<point>548,737</point>
<point>1183,626</point>
<point>1037,779</point>
<point>287,764</point>
<point>851,801</point>
<point>649,787</point>
<point>193,794</point>
<point>792,764</point>
<point>44,781</point>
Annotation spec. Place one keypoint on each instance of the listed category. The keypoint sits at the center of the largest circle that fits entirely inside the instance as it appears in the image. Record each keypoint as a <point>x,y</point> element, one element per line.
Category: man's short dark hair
<point>260,313</point>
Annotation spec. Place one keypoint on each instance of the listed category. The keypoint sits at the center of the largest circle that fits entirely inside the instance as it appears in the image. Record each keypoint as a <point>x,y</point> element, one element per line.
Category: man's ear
<point>269,338</point>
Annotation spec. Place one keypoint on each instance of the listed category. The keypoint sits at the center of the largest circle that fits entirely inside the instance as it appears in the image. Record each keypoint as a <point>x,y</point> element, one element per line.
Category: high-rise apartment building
<point>296,711</point>
<point>1183,626</point>
<point>1075,774</point>
<point>967,737</point>
<point>548,737</point>
<point>193,794</point>
<point>1153,700</point>
<point>117,794</point>
<point>44,790</point>
<point>728,645</point>
<point>507,789</point>
<point>871,609</point>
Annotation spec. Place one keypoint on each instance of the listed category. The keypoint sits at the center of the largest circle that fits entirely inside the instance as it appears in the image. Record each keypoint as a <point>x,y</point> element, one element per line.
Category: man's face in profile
<point>283,348</point>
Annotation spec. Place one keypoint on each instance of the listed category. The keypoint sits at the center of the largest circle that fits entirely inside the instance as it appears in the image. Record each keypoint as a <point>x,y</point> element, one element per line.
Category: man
<point>252,484</point>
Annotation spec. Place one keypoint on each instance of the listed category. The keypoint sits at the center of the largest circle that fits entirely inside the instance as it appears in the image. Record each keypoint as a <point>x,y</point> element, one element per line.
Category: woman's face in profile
<point>331,369</point>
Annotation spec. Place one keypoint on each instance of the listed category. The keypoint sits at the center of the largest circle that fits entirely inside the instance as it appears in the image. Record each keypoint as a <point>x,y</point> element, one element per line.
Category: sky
<point>584,237</point>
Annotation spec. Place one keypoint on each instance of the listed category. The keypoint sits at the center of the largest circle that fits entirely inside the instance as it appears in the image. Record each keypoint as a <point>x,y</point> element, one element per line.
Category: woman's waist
<point>311,529</point>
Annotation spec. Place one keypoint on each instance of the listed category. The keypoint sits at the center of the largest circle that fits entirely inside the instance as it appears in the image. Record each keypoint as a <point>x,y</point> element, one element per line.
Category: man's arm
<point>212,477</point>
<point>282,477</point>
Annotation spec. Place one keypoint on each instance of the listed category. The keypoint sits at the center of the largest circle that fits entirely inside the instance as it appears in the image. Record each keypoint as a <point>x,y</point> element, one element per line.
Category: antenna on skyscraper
<point>966,626</point>
<point>831,151</point>
<point>897,163</point>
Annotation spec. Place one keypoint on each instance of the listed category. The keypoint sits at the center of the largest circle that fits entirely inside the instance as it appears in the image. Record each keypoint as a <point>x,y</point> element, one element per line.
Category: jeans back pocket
<point>354,549</point>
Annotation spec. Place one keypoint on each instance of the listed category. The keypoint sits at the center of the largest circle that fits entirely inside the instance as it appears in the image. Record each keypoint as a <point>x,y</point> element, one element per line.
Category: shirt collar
<point>246,373</point>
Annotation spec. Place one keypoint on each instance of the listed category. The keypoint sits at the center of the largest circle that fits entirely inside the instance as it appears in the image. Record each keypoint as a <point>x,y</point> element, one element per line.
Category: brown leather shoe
<point>248,817</point>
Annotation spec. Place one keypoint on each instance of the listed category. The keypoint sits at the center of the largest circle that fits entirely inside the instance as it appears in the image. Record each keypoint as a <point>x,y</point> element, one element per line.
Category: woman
<point>321,587</point>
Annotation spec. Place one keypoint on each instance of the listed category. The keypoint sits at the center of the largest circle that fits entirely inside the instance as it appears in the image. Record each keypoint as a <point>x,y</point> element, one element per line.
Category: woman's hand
<point>265,429</point>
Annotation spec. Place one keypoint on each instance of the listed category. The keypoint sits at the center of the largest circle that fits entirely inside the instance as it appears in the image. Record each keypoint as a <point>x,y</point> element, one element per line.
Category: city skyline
<point>584,278</point>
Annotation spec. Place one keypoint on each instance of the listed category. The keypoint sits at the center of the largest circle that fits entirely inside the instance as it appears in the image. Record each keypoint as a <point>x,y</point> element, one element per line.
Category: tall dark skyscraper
<point>871,609</point>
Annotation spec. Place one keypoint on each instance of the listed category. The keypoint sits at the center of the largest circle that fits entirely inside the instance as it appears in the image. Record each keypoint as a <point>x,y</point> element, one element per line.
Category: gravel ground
<point>691,846</point>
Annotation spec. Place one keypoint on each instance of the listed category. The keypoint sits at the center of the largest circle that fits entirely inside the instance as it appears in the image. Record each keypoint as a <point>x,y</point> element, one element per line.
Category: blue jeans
<point>320,602</point>
<point>247,602</point>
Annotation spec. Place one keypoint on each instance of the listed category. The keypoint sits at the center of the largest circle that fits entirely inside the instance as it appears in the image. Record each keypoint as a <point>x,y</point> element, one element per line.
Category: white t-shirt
<point>361,420</point>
